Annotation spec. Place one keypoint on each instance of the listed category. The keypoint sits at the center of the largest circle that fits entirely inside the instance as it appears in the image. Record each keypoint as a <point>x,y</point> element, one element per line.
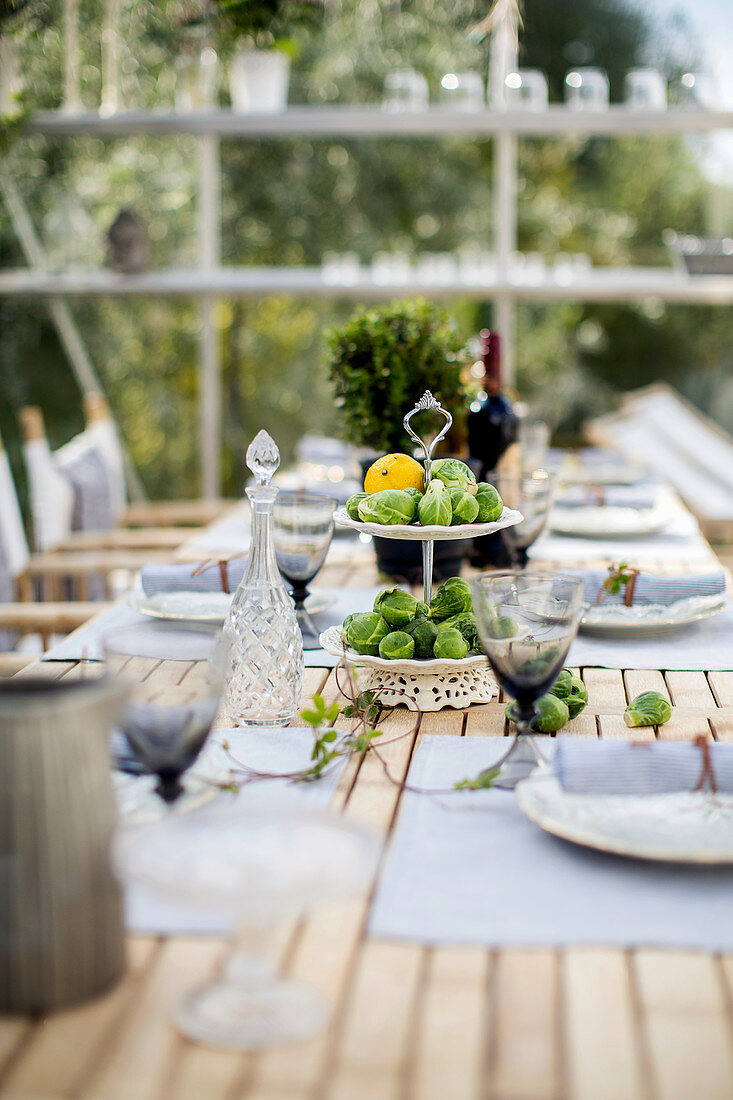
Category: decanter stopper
<point>263,457</point>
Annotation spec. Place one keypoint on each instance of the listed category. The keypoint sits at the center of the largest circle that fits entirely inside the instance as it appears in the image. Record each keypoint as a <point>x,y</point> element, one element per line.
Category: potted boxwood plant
<point>380,363</point>
<point>263,33</point>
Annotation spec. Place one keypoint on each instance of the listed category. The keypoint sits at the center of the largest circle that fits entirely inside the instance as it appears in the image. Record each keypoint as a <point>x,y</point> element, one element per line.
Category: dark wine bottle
<point>492,422</point>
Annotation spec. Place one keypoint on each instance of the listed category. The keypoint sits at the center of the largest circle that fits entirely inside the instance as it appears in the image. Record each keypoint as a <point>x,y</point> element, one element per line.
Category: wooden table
<point>410,1021</point>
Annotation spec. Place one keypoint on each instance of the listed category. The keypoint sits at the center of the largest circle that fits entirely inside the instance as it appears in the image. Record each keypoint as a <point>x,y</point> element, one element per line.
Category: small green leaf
<point>311,717</point>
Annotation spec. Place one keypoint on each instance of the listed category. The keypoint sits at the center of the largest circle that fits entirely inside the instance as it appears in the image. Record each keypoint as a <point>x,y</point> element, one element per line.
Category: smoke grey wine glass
<point>526,622</point>
<point>166,722</point>
<point>302,528</point>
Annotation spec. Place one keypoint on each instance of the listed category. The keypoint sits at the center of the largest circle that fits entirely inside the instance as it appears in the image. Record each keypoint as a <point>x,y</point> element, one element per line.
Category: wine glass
<point>302,528</point>
<point>526,622</point>
<point>531,493</point>
<point>166,723</point>
<point>245,870</point>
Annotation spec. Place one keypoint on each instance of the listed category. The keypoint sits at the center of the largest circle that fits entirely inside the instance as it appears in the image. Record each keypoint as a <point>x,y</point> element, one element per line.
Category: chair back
<point>13,543</point>
<point>52,495</point>
<point>101,429</point>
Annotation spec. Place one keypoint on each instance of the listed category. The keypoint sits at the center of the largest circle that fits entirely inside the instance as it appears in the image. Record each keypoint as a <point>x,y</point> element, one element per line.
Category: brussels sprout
<point>423,634</point>
<point>414,493</point>
<point>435,506</point>
<point>387,506</point>
<point>563,685</point>
<point>450,643</point>
<point>450,598</point>
<point>345,626</point>
<point>503,626</point>
<point>422,610</point>
<point>551,714</point>
<point>454,474</point>
<point>365,632</point>
<point>352,504</point>
<point>466,623</point>
<point>490,504</point>
<point>397,646</point>
<point>465,507</point>
<point>396,606</point>
<point>648,709</point>
<point>577,698</point>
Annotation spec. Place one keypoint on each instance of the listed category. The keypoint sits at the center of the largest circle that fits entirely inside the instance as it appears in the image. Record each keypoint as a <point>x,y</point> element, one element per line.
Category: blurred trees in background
<point>289,201</point>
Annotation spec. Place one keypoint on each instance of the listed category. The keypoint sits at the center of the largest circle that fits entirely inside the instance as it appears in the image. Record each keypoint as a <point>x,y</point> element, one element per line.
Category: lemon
<point>394,472</point>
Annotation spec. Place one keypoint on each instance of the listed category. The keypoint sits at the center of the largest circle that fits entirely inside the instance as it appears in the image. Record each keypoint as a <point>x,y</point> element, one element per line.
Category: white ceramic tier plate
<point>331,641</point>
<point>414,532</point>
<point>204,607</point>
<point>649,620</point>
<point>690,827</point>
<point>428,685</point>
<point>608,522</point>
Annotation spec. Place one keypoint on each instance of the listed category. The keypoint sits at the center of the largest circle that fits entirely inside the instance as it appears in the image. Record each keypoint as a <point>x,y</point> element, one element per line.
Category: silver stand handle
<point>427,402</point>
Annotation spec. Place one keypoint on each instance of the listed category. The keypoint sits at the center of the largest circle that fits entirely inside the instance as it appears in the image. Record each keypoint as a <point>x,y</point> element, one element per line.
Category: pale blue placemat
<point>471,868</point>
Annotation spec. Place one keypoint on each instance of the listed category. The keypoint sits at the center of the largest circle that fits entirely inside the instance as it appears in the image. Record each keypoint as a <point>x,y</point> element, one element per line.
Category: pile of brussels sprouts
<point>452,497</point>
<point>402,627</point>
<point>565,700</point>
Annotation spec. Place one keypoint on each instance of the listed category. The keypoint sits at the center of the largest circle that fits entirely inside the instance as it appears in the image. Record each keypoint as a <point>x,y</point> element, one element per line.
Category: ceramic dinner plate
<point>648,620</point>
<point>608,521</point>
<point>689,827</point>
<point>205,607</point>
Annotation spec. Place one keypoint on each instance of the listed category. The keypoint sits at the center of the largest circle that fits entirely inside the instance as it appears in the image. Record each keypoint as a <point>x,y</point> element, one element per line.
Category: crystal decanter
<point>265,671</point>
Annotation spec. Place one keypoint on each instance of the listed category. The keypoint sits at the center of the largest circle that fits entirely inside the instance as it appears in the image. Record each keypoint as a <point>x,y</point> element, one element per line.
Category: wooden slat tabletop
<point>410,1021</point>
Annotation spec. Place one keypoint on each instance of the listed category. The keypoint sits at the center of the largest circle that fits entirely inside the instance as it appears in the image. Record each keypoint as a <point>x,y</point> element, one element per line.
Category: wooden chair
<point>656,426</point>
<point>52,494</point>
<point>184,513</point>
<point>27,574</point>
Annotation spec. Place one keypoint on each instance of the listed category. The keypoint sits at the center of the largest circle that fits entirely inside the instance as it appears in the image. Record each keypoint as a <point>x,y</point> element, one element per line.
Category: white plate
<point>441,666</point>
<point>646,621</point>
<point>609,473</point>
<point>608,522</point>
<point>414,532</point>
<point>690,827</point>
<point>205,607</point>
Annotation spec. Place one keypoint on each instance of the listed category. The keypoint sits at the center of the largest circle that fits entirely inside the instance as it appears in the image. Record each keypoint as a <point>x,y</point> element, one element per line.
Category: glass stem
<point>249,962</point>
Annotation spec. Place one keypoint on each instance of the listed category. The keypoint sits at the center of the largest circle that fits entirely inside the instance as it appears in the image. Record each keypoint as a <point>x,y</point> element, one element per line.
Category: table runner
<point>702,646</point>
<point>188,642</point>
<point>681,541</point>
<point>275,750</point>
<point>470,868</point>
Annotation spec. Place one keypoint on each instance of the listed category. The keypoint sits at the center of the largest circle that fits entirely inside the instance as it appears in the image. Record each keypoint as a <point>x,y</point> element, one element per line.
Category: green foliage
<point>287,201</point>
<point>382,360</point>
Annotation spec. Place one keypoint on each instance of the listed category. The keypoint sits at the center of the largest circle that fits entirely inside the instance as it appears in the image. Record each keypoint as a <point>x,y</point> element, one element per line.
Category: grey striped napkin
<point>624,768</point>
<point>650,588</point>
<point>180,577</point>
